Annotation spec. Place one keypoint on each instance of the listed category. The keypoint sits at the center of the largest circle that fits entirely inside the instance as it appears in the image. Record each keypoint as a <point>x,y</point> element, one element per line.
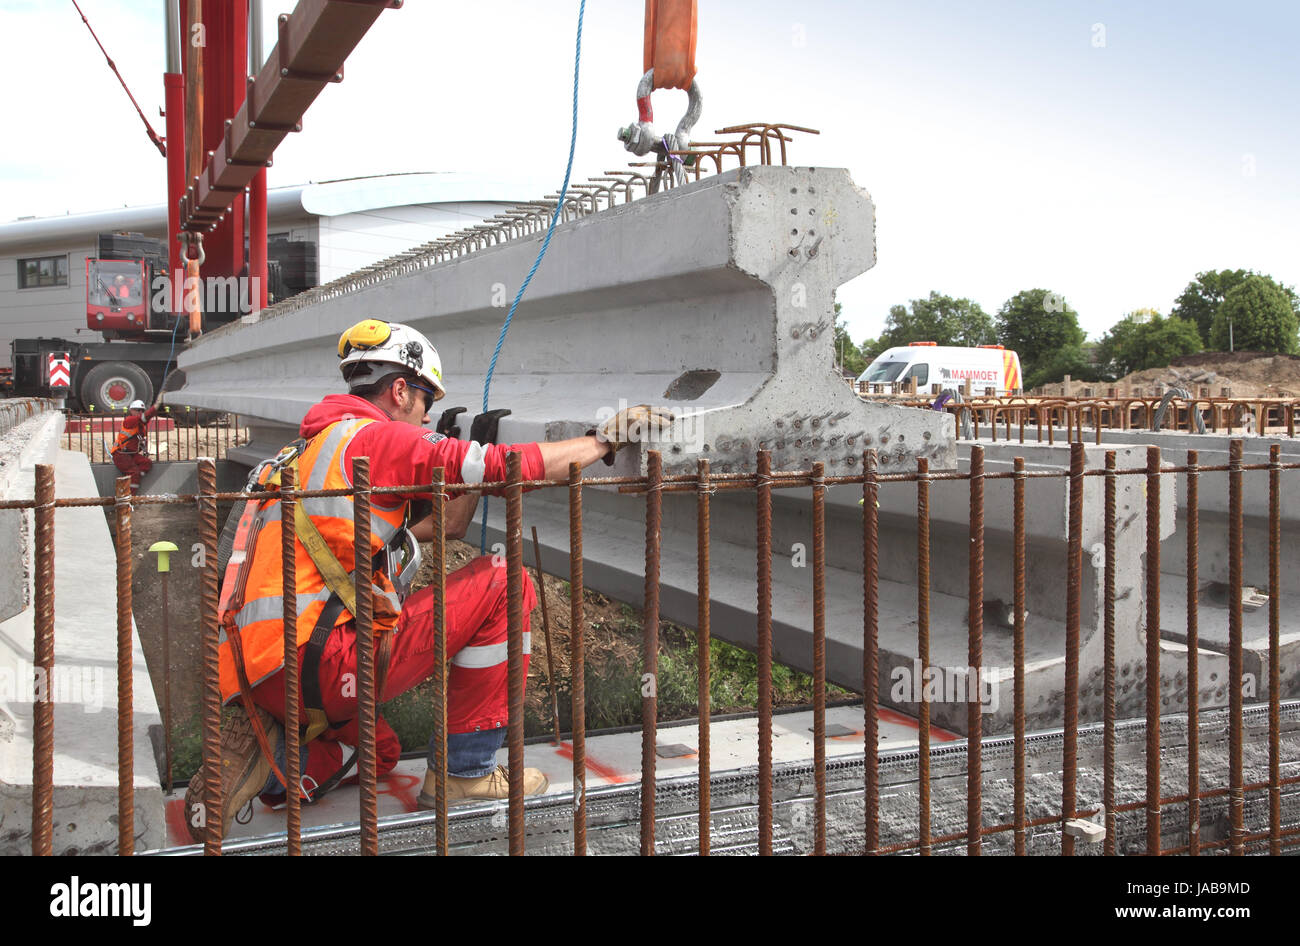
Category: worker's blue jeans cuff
<point>273,785</point>
<point>472,754</point>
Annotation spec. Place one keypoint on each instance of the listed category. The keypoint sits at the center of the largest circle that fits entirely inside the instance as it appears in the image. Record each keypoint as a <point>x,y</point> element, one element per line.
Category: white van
<point>987,366</point>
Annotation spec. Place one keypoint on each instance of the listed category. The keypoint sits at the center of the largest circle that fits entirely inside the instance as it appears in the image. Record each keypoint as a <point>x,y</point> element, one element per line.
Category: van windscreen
<point>885,371</point>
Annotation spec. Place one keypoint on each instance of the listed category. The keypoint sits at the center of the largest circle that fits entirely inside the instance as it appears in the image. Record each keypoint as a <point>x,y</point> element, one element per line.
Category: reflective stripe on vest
<point>260,620</point>
<point>489,655</point>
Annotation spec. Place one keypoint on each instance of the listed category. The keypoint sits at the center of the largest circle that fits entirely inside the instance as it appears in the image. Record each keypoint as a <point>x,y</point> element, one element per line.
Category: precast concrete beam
<point>714,298</point>
<point>614,546</point>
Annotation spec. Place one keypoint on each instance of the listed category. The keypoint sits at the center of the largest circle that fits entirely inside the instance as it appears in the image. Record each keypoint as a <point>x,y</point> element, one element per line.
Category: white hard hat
<point>136,405</point>
<point>380,342</point>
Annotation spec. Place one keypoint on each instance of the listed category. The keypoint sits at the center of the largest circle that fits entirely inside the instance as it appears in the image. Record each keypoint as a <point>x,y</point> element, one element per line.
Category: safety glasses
<point>428,401</point>
<point>369,333</point>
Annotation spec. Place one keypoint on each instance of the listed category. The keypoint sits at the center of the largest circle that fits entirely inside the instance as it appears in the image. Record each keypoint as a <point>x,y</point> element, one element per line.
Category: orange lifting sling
<point>670,27</point>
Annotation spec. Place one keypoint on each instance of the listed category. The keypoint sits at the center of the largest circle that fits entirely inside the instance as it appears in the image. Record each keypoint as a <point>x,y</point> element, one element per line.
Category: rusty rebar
<point>702,599</point>
<point>650,648</point>
<point>292,684</point>
<point>1018,644</point>
<point>1274,651</point>
<point>923,641</point>
<point>871,651</point>
<point>1108,657</point>
<point>210,630</point>
<point>167,685</point>
<point>1152,631</point>
<point>43,669</point>
<point>367,695</point>
<point>577,662</point>
<point>1236,798</point>
<point>515,645</point>
<point>1073,594</point>
<point>975,652</point>
<point>1193,648</point>
<point>819,656</point>
<point>125,699</point>
<point>438,561</point>
<point>546,633</point>
<point>764,647</point>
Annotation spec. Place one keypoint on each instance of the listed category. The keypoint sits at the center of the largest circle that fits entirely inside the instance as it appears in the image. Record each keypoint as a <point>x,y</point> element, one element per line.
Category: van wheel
<point>113,385</point>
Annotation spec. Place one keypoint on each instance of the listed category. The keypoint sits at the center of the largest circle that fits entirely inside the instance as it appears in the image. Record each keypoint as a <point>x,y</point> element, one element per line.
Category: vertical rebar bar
<point>871,650</point>
<point>650,648</point>
<point>923,640</point>
<point>210,630</point>
<point>975,654</point>
<point>43,669</point>
<point>1018,645</point>
<point>292,686</point>
<point>125,699</point>
<point>167,686</point>
<point>438,561</point>
<point>1108,658</point>
<point>546,633</point>
<point>1073,593</point>
<point>764,645</point>
<point>819,655</point>
<point>1236,796</point>
<point>1193,656</point>
<point>515,644</point>
<point>1274,650</point>
<point>577,665</point>
<point>1153,652</point>
<point>702,600</point>
<point>367,695</point>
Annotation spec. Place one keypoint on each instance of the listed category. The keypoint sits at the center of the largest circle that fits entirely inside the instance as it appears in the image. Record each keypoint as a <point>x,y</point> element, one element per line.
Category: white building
<point>353,223</point>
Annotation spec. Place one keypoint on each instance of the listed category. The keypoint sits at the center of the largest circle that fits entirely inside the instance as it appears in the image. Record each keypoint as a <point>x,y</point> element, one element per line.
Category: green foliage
<point>848,354</point>
<point>1044,330</point>
<point>1143,339</point>
<point>1256,315</point>
<point>1201,300</point>
<point>939,318</point>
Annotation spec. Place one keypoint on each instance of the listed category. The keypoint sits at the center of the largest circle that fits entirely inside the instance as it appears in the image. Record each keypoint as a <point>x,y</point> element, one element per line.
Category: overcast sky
<point>1106,150</point>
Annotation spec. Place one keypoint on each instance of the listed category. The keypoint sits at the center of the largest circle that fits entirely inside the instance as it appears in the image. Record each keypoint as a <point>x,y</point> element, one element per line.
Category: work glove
<point>632,425</point>
<point>447,425</point>
<point>484,428</point>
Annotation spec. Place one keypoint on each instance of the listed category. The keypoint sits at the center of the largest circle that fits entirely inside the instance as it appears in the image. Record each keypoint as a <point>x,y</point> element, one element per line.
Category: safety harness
<point>267,477</point>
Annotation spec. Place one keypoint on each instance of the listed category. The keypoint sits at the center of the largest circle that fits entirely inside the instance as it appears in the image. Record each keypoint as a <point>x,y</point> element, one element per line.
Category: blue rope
<point>555,215</point>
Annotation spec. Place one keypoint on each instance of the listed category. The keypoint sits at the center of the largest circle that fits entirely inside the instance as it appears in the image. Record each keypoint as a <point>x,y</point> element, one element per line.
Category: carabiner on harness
<point>640,138</point>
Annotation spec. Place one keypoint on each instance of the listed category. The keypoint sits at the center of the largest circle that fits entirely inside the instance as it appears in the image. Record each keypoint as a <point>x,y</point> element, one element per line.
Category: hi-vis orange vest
<point>124,437</point>
<point>260,620</point>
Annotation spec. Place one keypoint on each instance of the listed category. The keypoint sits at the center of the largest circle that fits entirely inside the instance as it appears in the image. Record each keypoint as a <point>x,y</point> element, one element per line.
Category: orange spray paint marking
<point>566,750</point>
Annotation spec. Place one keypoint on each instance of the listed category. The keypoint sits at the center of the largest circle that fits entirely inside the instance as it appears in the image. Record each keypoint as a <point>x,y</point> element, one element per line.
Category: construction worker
<point>129,451</point>
<point>394,376</point>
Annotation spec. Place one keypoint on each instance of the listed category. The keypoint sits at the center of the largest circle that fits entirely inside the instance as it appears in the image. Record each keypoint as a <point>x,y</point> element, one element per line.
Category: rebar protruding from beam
<point>43,669</point>
<point>1108,658</point>
<point>1073,595</point>
<point>1274,650</point>
<point>210,630</point>
<point>125,696</point>
<point>923,641</point>
<point>819,656</point>
<point>546,633</point>
<point>367,688</point>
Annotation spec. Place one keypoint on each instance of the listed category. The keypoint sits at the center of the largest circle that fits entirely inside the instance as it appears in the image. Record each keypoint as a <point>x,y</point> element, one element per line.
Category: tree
<point>1143,339</point>
<point>1201,299</point>
<point>848,355</point>
<point>1256,315</point>
<point>940,319</point>
<point>1042,328</point>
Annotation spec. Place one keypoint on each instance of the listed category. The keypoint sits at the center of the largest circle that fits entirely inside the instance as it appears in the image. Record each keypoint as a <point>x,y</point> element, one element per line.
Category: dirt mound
<point>1247,374</point>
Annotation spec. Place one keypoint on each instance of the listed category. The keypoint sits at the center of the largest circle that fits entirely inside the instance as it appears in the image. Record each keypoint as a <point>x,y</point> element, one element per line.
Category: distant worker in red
<point>394,376</point>
<point>130,451</point>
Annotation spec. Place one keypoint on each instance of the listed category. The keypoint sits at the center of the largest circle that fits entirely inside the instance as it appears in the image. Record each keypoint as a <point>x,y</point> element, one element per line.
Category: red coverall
<point>129,454</point>
<point>400,455</point>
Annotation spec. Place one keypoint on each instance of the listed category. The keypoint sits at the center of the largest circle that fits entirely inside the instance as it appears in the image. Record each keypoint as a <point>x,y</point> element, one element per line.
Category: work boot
<point>494,785</point>
<point>244,770</point>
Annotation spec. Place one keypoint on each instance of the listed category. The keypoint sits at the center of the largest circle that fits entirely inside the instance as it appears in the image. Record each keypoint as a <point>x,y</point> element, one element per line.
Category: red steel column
<point>257,237</point>
<point>174,103</point>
